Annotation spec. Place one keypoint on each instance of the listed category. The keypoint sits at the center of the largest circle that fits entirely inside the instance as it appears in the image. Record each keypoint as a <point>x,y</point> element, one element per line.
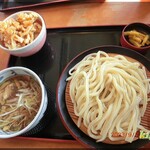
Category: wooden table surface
<point>71,15</point>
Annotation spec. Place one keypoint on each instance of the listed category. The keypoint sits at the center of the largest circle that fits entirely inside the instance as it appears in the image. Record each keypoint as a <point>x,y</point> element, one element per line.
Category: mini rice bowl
<point>32,47</point>
<point>11,72</point>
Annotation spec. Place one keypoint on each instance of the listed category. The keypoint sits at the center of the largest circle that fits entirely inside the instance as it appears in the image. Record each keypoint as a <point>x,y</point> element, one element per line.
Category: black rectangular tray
<point>17,4</point>
<point>13,4</point>
<point>60,47</point>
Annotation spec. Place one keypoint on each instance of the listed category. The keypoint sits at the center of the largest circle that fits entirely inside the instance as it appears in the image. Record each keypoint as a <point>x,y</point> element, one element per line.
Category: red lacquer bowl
<point>141,27</point>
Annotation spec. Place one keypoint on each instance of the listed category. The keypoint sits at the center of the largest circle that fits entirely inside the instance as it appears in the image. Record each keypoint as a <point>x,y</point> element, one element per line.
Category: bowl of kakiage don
<point>23,101</point>
<point>22,33</point>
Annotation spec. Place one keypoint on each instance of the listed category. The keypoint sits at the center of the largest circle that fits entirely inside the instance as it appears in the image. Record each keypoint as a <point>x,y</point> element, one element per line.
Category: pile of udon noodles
<point>107,92</point>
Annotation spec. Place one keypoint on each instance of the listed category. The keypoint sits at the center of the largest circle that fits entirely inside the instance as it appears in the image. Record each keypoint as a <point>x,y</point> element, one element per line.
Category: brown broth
<point>20,98</point>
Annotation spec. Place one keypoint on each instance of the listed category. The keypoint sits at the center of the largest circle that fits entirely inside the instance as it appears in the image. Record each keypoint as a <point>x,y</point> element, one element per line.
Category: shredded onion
<point>19,102</point>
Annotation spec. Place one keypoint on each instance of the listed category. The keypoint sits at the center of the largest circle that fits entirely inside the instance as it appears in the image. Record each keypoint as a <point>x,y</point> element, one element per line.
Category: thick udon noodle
<point>109,94</point>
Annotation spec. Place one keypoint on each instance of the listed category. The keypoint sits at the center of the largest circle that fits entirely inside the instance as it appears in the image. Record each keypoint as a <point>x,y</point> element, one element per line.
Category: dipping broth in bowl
<point>20,98</point>
<point>23,101</point>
